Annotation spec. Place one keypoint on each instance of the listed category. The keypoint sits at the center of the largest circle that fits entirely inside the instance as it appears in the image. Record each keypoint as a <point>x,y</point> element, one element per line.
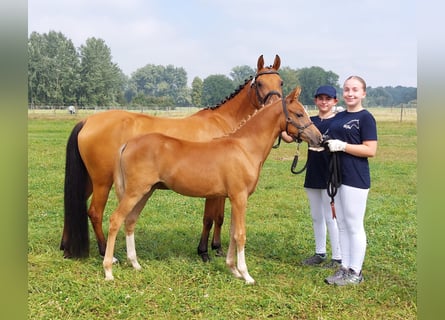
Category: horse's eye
<point>281,83</point>
<point>299,115</point>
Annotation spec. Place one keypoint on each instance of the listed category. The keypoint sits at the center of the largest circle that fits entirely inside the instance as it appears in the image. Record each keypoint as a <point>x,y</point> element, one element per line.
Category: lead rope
<point>278,143</point>
<point>294,163</point>
<point>334,180</point>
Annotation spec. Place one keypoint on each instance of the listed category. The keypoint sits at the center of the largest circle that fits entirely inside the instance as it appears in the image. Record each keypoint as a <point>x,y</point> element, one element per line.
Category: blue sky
<point>375,39</point>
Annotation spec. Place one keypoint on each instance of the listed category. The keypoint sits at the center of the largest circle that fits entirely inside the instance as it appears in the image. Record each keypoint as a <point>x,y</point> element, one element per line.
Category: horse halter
<point>292,122</point>
<point>261,100</point>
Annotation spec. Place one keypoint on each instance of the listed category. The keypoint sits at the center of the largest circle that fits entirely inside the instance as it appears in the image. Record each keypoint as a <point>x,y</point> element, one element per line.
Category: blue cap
<point>327,90</point>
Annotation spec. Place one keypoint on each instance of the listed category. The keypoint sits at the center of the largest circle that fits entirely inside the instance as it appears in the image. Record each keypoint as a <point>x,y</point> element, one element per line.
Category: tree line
<point>60,75</point>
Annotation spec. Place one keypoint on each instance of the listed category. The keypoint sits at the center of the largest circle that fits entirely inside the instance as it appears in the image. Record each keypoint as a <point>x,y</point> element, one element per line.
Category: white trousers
<point>321,213</point>
<point>350,205</point>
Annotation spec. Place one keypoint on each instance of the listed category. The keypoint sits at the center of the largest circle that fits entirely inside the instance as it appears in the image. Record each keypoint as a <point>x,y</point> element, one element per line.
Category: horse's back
<point>120,126</point>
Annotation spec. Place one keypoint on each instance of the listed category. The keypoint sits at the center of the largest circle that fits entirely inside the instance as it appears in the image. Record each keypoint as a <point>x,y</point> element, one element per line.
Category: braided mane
<point>240,125</point>
<point>233,94</point>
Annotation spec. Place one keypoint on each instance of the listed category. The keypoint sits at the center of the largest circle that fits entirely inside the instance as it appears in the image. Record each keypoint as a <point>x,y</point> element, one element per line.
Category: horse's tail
<point>119,175</point>
<point>75,240</point>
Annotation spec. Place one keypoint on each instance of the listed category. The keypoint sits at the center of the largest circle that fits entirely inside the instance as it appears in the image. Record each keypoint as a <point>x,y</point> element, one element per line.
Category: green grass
<point>175,284</point>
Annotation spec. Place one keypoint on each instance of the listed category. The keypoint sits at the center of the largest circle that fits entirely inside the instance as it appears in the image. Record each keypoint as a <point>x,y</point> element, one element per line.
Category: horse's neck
<point>259,133</point>
<point>234,110</point>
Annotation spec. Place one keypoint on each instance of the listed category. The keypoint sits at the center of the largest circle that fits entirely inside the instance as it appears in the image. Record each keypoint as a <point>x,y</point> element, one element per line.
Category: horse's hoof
<point>204,256</point>
<point>220,253</point>
<point>109,278</point>
<point>66,254</point>
<point>136,265</point>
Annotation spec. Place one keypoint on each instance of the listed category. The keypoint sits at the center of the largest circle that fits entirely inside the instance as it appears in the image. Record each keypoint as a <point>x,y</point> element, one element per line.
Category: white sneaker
<point>350,277</point>
<point>339,274</point>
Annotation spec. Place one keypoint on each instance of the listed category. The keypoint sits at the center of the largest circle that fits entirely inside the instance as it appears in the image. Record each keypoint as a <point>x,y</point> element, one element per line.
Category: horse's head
<point>267,82</point>
<point>298,122</point>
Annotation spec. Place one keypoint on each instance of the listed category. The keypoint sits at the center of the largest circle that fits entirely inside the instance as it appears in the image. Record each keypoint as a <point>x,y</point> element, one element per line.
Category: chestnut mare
<point>224,167</point>
<point>94,143</point>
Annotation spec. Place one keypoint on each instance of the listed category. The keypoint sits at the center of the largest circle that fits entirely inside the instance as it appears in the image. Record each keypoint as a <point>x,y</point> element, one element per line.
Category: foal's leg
<point>116,219</point>
<point>238,239</point>
<point>231,251</point>
<point>130,224</point>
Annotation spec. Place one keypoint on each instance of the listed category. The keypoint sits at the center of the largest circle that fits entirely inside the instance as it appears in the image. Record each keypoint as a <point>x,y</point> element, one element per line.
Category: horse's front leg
<point>213,212</point>
<point>231,254</point>
<point>207,223</point>
<point>219,220</point>
<point>238,240</point>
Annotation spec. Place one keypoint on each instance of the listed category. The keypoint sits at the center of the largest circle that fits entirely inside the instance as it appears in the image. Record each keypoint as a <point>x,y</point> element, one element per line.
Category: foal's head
<point>299,124</point>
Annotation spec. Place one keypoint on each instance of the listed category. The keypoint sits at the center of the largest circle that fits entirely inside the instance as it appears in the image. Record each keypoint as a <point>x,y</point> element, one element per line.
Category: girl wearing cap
<point>315,184</point>
<point>354,136</point>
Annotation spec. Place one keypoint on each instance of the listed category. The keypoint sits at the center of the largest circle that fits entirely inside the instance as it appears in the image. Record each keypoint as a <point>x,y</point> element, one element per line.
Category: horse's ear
<point>260,63</point>
<point>297,92</point>
<point>293,95</point>
<point>290,96</point>
<point>277,62</point>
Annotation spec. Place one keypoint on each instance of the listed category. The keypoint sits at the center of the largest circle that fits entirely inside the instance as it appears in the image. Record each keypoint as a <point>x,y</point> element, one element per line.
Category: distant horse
<point>94,143</point>
<point>71,110</point>
<point>224,167</point>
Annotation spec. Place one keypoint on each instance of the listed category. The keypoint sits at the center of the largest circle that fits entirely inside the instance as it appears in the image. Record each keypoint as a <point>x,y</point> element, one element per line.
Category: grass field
<point>175,284</point>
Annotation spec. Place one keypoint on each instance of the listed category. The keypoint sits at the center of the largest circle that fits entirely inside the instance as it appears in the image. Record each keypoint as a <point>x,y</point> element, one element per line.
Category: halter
<point>292,122</point>
<point>261,100</point>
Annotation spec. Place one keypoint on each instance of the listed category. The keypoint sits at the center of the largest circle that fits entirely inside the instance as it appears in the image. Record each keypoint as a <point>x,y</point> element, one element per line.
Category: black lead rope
<point>294,163</point>
<point>278,143</point>
<point>334,180</point>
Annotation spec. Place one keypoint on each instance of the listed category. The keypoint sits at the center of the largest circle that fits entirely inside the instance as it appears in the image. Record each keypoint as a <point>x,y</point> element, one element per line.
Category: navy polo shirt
<point>354,128</point>
<point>317,167</point>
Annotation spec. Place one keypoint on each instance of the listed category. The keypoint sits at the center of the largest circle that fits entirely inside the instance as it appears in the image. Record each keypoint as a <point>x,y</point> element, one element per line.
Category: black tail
<point>75,239</point>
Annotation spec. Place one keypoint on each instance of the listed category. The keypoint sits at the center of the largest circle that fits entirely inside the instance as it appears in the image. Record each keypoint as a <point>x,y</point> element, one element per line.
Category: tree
<point>53,70</point>
<point>378,97</point>
<point>102,80</point>
<point>239,74</point>
<point>162,82</point>
<point>215,88</point>
<point>290,79</point>
<point>311,78</point>
<point>197,92</point>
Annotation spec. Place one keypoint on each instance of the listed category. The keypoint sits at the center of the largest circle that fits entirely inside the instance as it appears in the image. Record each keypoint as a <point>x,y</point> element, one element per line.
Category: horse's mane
<point>241,124</point>
<point>234,93</point>
<point>241,86</point>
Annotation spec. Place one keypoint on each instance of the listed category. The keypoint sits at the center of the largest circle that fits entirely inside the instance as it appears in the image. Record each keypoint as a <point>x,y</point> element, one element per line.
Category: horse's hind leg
<point>130,224</point>
<point>125,207</point>
<point>96,213</point>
